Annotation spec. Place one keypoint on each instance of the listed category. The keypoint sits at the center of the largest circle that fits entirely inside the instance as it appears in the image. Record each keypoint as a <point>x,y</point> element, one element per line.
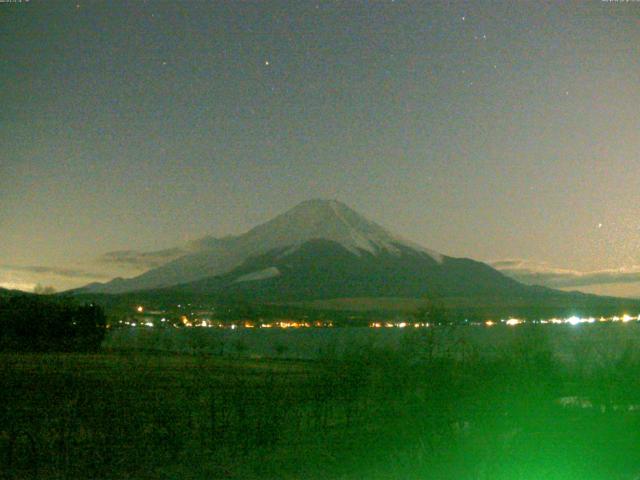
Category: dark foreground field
<point>370,414</point>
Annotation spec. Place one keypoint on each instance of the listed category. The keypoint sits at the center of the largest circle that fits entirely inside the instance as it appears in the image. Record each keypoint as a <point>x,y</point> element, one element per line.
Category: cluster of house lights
<point>185,321</point>
<point>511,322</point>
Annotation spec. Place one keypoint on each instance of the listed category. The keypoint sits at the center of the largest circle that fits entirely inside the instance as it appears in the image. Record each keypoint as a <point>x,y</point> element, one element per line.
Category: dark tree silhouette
<point>433,311</point>
<point>37,323</point>
<point>40,289</point>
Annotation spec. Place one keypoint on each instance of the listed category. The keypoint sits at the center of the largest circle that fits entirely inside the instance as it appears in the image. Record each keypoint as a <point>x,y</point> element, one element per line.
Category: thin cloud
<point>57,271</point>
<point>540,273</point>
<point>140,260</point>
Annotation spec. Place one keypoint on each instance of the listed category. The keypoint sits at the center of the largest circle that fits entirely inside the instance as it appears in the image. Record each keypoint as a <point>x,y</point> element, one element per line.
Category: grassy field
<point>372,413</point>
<point>600,344</point>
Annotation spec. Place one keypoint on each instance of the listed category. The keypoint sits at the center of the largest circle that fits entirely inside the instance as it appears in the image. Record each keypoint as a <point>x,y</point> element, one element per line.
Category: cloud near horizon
<point>26,277</point>
<point>105,267</point>
<point>540,273</point>
<point>135,259</point>
<point>55,271</point>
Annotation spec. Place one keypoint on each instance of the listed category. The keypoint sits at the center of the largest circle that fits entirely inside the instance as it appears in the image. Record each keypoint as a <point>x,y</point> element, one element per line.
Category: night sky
<point>507,132</point>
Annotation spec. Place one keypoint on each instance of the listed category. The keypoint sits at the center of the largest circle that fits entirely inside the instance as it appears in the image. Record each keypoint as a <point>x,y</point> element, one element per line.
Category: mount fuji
<point>323,250</point>
<point>310,221</point>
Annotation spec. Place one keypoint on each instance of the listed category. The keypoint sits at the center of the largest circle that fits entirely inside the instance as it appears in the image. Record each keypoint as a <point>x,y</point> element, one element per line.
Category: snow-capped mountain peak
<point>319,219</point>
<point>328,220</point>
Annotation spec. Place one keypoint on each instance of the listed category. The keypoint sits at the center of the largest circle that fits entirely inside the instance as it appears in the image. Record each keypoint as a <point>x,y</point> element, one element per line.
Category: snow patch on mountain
<point>369,242</point>
<point>269,272</point>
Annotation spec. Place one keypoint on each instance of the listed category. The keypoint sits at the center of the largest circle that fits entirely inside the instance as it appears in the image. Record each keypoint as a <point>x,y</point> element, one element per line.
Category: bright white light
<point>513,321</point>
<point>573,320</point>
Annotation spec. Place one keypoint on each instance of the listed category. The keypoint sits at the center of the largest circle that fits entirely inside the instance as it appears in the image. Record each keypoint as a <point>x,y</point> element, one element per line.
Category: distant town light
<point>573,320</point>
<point>139,309</point>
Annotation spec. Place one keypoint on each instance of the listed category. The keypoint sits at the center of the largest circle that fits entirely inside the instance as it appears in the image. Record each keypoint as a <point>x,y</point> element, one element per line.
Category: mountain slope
<point>323,269</point>
<point>324,274</point>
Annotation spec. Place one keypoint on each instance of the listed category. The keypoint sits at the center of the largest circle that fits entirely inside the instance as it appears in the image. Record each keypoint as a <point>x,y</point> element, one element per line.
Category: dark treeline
<point>44,323</point>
